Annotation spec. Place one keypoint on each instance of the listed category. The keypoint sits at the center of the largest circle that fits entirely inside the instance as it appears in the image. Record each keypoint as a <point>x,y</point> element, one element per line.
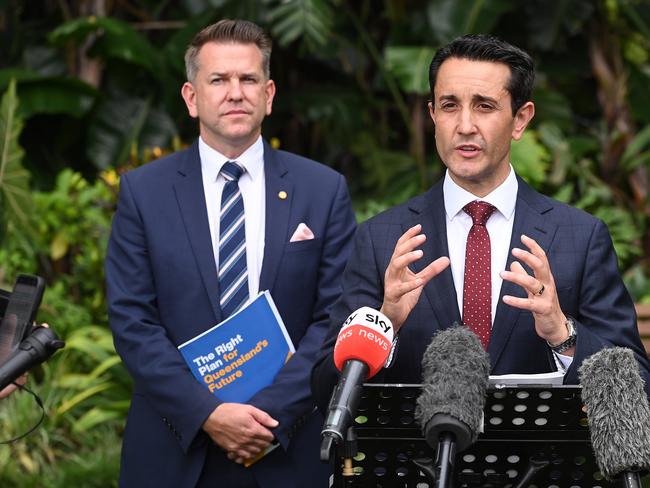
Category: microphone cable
<point>39,402</point>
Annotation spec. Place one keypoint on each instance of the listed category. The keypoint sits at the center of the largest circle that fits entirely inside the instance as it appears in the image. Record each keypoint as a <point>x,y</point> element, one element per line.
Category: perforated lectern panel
<point>531,432</point>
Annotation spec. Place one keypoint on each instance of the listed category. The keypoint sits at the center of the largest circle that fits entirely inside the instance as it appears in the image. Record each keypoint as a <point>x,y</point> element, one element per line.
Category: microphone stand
<point>630,479</point>
<point>445,460</point>
<point>535,465</point>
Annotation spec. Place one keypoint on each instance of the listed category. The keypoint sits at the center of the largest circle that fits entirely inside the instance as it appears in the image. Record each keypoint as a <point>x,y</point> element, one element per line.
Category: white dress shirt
<point>499,227</point>
<point>253,191</point>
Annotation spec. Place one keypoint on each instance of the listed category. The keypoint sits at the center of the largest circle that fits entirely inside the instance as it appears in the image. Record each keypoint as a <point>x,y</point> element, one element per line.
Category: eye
<point>447,106</point>
<point>485,107</point>
<point>250,80</point>
<point>216,81</point>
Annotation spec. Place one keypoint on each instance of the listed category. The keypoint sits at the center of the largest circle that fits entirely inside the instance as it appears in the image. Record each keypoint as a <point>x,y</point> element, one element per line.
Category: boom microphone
<point>455,371</point>
<point>361,350</point>
<point>618,414</point>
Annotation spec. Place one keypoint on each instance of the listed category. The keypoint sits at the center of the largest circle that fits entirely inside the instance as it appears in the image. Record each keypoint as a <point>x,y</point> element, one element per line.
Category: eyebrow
<point>475,99</point>
<point>225,74</point>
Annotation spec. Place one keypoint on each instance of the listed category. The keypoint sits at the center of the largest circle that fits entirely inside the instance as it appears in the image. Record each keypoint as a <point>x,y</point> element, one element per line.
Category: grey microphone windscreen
<point>455,371</point>
<point>617,410</point>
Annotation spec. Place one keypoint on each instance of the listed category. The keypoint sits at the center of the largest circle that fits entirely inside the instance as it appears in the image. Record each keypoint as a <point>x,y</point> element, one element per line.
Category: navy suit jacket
<point>582,260</point>
<point>163,290</point>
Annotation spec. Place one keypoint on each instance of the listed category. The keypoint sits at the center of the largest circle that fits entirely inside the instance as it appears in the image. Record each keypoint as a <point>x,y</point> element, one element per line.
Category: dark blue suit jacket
<point>582,261</point>
<point>163,290</point>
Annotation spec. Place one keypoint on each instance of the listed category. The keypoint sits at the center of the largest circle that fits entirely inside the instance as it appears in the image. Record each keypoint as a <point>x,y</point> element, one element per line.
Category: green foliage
<point>115,39</point>
<point>307,19</point>
<point>85,387</point>
<point>50,95</point>
<point>530,158</point>
<point>15,201</point>
<point>99,92</point>
<point>410,67</point>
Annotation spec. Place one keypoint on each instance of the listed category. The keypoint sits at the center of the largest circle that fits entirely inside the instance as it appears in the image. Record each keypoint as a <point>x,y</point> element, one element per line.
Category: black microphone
<point>35,349</point>
<point>618,414</point>
<point>455,371</point>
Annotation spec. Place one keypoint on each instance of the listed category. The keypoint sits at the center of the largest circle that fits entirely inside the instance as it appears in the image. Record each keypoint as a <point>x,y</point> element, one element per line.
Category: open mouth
<point>468,148</point>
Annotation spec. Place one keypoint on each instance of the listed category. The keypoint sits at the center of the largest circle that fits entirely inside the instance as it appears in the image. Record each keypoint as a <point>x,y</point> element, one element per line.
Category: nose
<point>234,90</point>
<point>466,123</point>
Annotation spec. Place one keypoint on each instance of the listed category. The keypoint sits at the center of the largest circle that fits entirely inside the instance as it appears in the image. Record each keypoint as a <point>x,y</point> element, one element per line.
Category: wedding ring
<point>540,291</point>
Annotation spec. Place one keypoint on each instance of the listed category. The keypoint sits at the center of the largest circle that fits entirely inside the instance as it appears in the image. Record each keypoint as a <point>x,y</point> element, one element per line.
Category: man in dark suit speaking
<point>194,236</point>
<point>535,279</point>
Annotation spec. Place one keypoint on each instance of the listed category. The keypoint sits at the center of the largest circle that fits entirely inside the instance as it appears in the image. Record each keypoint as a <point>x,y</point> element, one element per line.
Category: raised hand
<point>402,287</point>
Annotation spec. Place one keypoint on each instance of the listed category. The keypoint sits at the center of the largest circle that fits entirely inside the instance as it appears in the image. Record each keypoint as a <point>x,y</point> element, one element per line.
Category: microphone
<point>361,350</point>
<point>455,371</point>
<point>36,349</point>
<point>618,414</point>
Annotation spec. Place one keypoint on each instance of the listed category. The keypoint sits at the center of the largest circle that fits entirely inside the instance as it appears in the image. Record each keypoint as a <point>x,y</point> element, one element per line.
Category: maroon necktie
<point>477,287</point>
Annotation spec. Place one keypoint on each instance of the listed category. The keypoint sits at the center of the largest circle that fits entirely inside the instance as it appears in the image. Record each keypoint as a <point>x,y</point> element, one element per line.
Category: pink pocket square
<point>302,233</point>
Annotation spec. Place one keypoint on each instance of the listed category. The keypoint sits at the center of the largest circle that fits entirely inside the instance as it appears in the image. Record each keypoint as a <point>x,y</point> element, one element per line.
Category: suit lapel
<point>429,210</point>
<point>191,201</point>
<point>529,219</point>
<point>277,215</point>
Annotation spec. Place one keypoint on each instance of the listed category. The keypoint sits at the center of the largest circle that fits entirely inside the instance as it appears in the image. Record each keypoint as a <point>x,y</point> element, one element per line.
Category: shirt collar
<point>503,197</point>
<point>252,160</point>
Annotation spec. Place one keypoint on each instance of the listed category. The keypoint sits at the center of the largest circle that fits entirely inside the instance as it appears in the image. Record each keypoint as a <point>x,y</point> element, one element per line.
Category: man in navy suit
<point>165,286</point>
<point>542,290</point>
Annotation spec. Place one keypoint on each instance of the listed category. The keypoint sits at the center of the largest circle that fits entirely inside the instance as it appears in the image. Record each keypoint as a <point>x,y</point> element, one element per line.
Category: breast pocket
<point>301,246</point>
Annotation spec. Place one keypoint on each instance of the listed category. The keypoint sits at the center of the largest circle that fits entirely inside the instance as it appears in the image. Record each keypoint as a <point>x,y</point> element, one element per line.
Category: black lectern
<point>535,436</point>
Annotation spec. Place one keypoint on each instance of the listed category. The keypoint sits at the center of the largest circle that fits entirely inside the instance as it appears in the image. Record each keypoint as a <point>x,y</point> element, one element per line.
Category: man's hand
<point>542,301</point>
<point>402,287</point>
<point>9,389</point>
<point>239,429</point>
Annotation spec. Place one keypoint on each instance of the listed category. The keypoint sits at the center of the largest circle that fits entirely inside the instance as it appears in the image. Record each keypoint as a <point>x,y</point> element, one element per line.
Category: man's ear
<point>189,95</point>
<point>523,116</point>
<point>270,94</point>
<point>432,112</point>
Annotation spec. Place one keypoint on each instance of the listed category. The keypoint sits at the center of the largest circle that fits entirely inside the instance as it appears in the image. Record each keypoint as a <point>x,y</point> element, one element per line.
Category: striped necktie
<point>233,275</point>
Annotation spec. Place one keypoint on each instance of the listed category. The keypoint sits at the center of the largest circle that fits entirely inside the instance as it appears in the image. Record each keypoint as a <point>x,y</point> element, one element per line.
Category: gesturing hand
<point>542,298</point>
<point>402,287</point>
<point>239,429</point>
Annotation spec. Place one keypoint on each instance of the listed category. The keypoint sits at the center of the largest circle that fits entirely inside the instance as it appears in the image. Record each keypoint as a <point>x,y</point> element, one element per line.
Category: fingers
<point>235,428</point>
<point>535,258</point>
<point>7,390</point>
<point>433,269</point>
<point>410,233</point>
<point>264,418</point>
<point>518,275</point>
<point>405,249</point>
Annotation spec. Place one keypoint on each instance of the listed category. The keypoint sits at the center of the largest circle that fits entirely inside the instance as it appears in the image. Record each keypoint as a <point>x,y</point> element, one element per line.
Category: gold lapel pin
<point>282,195</point>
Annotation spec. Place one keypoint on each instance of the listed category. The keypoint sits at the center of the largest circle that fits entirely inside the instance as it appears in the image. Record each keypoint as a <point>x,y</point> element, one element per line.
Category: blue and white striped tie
<point>233,276</point>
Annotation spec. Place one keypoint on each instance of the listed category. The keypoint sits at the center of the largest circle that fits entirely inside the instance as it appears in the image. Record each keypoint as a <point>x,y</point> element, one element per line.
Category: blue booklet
<point>241,355</point>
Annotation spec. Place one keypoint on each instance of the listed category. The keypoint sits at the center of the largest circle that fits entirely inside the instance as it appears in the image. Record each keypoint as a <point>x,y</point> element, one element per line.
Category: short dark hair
<point>479,47</point>
<point>229,31</point>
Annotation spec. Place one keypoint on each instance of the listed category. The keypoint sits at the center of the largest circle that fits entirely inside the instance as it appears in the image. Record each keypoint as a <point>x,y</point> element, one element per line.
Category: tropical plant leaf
<point>15,200</point>
<point>40,94</point>
<point>310,19</point>
<point>115,39</point>
<point>452,18</point>
<point>634,154</point>
<point>114,129</point>
<point>82,396</point>
<point>410,67</point>
<point>95,416</point>
<point>530,158</point>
